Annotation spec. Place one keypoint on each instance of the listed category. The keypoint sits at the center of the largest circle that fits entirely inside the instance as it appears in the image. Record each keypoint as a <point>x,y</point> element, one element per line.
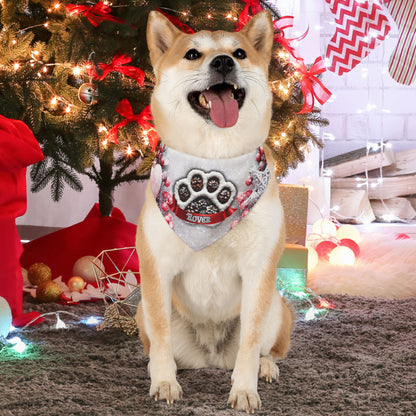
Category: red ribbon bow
<point>177,22</point>
<point>244,15</point>
<point>311,86</point>
<point>95,14</point>
<point>280,25</point>
<point>125,109</point>
<point>117,64</point>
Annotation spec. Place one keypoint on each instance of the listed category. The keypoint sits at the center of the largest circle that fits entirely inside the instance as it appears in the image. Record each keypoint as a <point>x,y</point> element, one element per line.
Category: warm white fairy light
<point>68,109</point>
<point>54,101</point>
<point>16,66</point>
<point>102,129</point>
<point>129,150</point>
<point>77,70</point>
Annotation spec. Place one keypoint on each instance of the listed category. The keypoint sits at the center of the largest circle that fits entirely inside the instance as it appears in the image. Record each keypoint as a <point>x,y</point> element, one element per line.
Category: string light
<point>129,150</point>
<point>16,66</point>
<point>77,70</point>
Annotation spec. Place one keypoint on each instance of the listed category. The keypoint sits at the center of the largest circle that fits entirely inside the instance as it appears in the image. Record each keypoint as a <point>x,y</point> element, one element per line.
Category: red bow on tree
<point>95,14</point>
<point>311,86</point>
<point>125,109</point>
<point>280,25</point>
<point>177,22</point>
<point>117,64</point>
<point>244,15</point>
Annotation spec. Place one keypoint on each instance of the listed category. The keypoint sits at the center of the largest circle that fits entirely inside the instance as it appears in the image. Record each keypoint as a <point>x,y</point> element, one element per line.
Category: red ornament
<point>402,236</point>
<point>324,248</point>
<point>347,242</point>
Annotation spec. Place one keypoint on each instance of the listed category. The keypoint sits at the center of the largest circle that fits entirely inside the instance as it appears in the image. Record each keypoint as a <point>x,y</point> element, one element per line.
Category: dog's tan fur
<point>217,306</point>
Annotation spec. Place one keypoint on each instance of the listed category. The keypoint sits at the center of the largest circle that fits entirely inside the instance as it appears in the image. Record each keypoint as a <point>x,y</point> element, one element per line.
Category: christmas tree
<point>80,77</point>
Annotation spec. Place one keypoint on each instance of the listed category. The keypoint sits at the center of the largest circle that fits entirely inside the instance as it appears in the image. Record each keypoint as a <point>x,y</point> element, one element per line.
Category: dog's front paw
<point>164,390</point>
<point>247,400</point>
<point>268,369</point>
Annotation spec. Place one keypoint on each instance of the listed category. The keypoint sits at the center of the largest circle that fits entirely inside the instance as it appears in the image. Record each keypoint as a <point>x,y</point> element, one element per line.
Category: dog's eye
<point>240,54</point>
<point>192,54</point>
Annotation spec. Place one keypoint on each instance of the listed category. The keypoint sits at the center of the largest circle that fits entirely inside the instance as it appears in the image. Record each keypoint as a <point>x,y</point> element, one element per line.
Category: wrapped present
<point>294,199</point>
<point>292,269</point>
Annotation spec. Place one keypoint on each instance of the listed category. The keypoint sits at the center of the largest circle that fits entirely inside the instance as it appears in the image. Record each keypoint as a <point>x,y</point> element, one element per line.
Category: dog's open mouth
<point>219,103</point>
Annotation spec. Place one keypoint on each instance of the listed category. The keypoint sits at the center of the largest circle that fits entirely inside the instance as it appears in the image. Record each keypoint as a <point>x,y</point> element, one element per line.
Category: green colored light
<point>292,281</point>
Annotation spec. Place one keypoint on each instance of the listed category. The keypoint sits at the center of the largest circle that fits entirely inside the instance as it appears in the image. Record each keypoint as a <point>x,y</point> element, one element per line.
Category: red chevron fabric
<point>361,25</point>
<point>402,65</point>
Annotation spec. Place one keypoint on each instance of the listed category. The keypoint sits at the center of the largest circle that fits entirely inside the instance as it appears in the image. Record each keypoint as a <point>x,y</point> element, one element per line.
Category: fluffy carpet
<point>358,360</point>
<point>385,268</point>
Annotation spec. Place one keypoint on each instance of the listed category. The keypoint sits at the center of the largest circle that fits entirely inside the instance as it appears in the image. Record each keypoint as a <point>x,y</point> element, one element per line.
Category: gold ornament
<point>48,292</point>
<point>39,273</point>
<point>76,284</point>
<point>88,93</point>
<point>87,267</point>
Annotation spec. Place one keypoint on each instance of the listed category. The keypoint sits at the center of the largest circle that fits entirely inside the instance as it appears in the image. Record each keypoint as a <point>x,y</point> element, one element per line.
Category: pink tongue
<point>224,108</point>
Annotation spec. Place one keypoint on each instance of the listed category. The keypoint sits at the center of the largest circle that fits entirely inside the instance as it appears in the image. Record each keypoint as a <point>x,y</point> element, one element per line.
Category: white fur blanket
<point>385,268</point>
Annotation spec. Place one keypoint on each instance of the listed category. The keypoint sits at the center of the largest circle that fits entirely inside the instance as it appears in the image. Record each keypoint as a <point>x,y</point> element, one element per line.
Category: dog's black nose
<point>223,64</point>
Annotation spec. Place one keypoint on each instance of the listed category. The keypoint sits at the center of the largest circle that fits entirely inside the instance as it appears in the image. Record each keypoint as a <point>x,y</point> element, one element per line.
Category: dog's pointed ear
<point>160,35</point>
<point>259,31</point>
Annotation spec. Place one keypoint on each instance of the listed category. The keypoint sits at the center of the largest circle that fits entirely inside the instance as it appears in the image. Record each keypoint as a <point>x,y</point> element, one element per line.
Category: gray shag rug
<point>358,360</point>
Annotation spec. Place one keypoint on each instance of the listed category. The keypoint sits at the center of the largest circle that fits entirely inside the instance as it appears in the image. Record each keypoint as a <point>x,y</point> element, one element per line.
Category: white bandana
<point>202,199</point>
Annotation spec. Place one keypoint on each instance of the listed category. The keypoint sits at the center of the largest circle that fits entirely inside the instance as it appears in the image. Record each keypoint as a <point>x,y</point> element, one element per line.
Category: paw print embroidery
<point>204,192</point>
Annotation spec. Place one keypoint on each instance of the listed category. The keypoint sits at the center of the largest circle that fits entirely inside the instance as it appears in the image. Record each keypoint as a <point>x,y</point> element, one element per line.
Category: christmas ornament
<point>76,284</point>
<point>311,86</point>
<point>118,65</point>
<point>88,93</point>
<point>95,14</point>
<point>312,258</point>
<point>402,65</point>
<point>324,248</point>
<point>342,256</point>
<point>39,273</point>
<point>125,109</point>
<point>5,317</point>
<point>360,27</point>
<point>324,227</point>
<point>351,244</point>
<point>349,231</point>
<point>48,292</point>
<point>88,268</point>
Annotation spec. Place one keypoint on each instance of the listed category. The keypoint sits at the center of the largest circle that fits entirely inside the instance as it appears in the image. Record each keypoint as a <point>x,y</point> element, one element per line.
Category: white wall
<point>368,104</point>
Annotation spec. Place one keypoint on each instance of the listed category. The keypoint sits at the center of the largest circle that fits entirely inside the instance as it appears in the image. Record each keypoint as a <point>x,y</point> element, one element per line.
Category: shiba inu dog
<point>209,299</point>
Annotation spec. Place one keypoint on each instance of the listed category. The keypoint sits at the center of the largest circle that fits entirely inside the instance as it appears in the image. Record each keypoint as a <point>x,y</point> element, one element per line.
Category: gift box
<point>292,269</point>
<point>294,200</point>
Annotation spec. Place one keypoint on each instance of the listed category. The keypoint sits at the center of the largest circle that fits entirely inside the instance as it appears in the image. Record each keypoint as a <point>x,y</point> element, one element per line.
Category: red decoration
<point>95,14</point>
<point>61,249</point>
<point>347,242</point>
<point>280,25</point>
<point>402,236</point>
<point>118,65</point>
<point>311,86</point>
<point>361,26</point>
<point>324,248</point>
<point>177,22</point>
<point>255,7</point>
<point>18,149</point>
<point>125,109</point>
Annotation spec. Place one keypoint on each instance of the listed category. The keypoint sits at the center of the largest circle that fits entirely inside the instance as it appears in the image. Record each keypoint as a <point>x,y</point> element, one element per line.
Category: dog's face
<point>212,97</point>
